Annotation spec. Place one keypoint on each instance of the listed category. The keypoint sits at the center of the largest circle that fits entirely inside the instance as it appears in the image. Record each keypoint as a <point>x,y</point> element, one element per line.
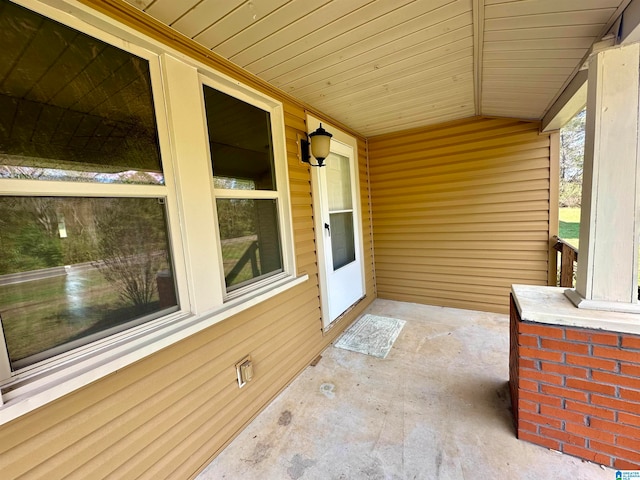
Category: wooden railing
<point>248,256</point>
<point>568,257</point>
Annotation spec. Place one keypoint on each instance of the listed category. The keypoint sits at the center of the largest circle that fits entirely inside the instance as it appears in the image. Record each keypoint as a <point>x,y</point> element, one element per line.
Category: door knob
<point>327,228</point>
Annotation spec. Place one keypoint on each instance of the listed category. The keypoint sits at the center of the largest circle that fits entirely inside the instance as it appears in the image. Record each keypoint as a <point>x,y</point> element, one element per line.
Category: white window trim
<point>41,188</point>
<point>280,194</point>
<point>39,384</point>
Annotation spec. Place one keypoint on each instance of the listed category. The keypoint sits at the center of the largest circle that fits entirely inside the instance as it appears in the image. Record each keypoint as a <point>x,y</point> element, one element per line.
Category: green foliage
<point>38,250</point>
<point>79,247</point>
<point>125,237</point>
<point>236,218</point>
<point>28,235</point>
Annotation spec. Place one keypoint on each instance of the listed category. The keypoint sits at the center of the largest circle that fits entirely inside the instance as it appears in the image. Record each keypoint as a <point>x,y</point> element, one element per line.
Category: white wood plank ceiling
<point>381,66</point>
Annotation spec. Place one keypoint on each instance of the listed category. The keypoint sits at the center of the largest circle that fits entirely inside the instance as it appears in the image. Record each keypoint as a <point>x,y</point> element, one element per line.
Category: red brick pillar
<point>576,390</point>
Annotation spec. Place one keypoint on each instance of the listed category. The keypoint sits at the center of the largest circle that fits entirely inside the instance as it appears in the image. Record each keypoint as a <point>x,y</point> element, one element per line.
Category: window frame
<point>280,172</point>
<point>199,305</point>
<point>62,188</point>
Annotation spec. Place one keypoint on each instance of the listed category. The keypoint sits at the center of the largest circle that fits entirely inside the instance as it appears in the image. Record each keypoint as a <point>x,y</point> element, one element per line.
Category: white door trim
<point>339,137</point>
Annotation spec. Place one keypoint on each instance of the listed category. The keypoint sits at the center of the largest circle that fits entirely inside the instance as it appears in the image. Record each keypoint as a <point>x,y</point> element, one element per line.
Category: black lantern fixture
<point>318,145</point>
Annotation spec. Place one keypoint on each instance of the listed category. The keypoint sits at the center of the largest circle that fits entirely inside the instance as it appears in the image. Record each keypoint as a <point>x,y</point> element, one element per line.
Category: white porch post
<point>608,261</point>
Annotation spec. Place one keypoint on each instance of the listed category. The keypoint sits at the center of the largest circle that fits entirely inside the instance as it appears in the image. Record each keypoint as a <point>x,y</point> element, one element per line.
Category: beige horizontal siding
<point>168,415</point>
<point>460,212</point>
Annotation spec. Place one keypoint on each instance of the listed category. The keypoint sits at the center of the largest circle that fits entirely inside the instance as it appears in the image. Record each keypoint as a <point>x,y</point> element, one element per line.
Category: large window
<point>77,113</point>
<point>245,188</point>
<point>78,269</point>
<point>137,207</point>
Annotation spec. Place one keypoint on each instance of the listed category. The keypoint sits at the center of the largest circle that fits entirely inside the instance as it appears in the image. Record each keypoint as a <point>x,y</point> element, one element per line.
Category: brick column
<point>577,391</point>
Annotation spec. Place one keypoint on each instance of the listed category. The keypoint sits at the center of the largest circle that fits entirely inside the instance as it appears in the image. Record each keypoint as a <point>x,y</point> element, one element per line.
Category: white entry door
<point>339,231</point>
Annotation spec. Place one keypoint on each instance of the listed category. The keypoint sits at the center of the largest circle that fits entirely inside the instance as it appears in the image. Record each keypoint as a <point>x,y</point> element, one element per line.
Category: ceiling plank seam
<point>478,48</point>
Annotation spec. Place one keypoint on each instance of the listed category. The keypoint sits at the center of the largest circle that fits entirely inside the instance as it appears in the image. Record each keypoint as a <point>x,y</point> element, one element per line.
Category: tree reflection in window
<point>77,269</point>
<point>245,188</point>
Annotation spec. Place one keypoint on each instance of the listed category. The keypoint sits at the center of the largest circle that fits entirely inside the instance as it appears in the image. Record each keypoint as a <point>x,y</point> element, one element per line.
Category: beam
<point>571,101</point>
<point>478,48</point>
<point>559,111</point>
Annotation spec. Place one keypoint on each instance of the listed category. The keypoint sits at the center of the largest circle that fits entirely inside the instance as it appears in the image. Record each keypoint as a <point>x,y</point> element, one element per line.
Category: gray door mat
<point>372,335</point>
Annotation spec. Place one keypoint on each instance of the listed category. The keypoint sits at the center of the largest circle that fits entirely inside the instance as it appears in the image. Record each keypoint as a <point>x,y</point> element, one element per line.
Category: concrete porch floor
<point>436,408</point>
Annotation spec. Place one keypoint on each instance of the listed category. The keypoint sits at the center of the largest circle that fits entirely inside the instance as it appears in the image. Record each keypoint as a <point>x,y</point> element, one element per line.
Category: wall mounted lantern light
<point>318,145</point>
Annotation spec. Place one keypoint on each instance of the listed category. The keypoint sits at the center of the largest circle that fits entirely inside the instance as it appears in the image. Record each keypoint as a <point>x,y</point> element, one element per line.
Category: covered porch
<point>445,114</point>
<point>437,407</point>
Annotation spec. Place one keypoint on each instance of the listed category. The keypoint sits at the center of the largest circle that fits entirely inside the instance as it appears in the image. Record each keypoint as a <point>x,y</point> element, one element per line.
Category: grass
<point>569,230</point>
<point>42,314</point>
<point>233,251</point>
<point>570,226</point>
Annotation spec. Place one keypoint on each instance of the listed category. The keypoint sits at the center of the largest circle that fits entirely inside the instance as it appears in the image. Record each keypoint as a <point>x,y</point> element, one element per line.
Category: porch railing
<point>249,256</point>
<point>568,260</point>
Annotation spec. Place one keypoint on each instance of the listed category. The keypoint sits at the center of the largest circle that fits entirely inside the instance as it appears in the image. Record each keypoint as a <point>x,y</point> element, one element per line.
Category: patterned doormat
<point>371,335</point>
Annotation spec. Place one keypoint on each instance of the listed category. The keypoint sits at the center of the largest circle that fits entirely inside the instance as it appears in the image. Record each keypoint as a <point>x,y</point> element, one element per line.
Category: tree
<point>132,246</point>
<point>571,160</point>
<point>28,234</point>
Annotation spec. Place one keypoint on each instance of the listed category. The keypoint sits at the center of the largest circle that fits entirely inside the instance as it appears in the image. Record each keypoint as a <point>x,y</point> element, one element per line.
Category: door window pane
<point>343,247</point>
<point>250,240</point>
<point>339,182</point>
<point>72,107</point>
<point>340,201</point>
<point>240,143</point>
<point>77,269</point>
